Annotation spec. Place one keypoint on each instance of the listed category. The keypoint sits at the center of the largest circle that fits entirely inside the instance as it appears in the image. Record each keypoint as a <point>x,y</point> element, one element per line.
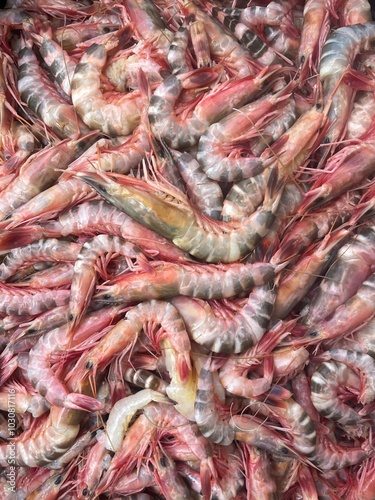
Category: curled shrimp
<point>233,335</point>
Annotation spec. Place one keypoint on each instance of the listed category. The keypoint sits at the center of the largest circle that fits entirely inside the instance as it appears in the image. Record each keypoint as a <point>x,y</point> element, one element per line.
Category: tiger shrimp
<point>353,263</point>
<point>84,276</point>
<point>355,12</point>
<point>176,56</point>
<point>236,128</point>
<point>49,249</point>
<point>332,456</point>
<point>205,194</point>
<point>115,115</point>
<point>145,379</point>
<point>297,282</point>
<point>40,446</point>
<point>122,413</point>
<point>177,222</point>
<point>40,372</point>
<point>339,51</point>
<point>82,442</point>
<point>39,94</point>
<point>181,132</point>
<point>228,335</point>
<point>30,301</point>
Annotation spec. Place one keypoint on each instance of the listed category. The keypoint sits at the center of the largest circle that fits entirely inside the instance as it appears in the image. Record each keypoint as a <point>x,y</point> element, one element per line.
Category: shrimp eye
<point>163,462</point>
<point>161,153</point>
<point>318,106</point>
<point>107,296</point>
<point>284,450</point>
<point>71,317</point>
<point>313,335</point>
<point>302,59</point>
<point>58,480</point>
<point>105,30</point>
<point>84,492</point>
<point>89,365</point>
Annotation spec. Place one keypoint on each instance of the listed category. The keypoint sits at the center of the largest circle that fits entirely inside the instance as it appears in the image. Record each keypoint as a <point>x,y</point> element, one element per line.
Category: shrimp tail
<point>82,402</point>
<point>358,80</point>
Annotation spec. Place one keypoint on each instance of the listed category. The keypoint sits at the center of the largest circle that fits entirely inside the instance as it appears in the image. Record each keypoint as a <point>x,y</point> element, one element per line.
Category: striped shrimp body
<point>244,197</point>
<point>353,263</point>
<point>30,301</point>
<point>145,379</point>
<point>84,277</point>
<point>362,340</point>
<point>236,128</point>
<point>122,413</point>
<point>226,335</point>
<point>210,423</point>
<point>181,132</point>
<point>116,117</point>
<point>51,250</point>
<point>178,223</point>
<point>339,51</point>
<point>37,91</point>
<point>325,384</point>
<point>205,194</point>
<point>355,312</point>
<point>49,441</point>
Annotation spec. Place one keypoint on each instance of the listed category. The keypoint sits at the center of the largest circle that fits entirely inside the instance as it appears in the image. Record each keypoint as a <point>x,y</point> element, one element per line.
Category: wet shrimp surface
<point>187,250</point>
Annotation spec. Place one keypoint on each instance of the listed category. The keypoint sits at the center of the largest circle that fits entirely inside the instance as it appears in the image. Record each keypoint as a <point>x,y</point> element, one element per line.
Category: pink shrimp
<point>30,301</point>
<point>54,277</point>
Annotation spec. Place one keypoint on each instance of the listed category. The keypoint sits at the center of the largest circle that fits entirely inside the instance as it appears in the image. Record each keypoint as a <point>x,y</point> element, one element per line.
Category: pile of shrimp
<point>187,243</point>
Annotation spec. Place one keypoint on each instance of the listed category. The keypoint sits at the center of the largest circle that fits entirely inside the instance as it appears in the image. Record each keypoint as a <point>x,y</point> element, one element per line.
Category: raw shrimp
<point>163,164</point>
<point>45,444</point>
<point>82,442</point>
<point>51,249</point>
<point>325,384</point>
<point>362,340</point>
<point>30,301</point>
<point>288,362</point>
<point>257,467</point>
<point>145,379</point>
<point>38,92</point>
<point>178,222</point>
<point>118,114</point>
<point>233,129</point>
<point>243,198</point>
<point>331,456</point>
<point>228,335</point>
<point>177,52</point>
<point>354,12</point>
<point>57,276</point>
<point>25,143</point>
<point>353,263</point>
<point>84,277</point>
<point>201,45</point>
<point>122,413</point>
<point>70,36</point>
<point>181,132</point>
<point>297,282</point>
<point>361,116</point>
<point>255,16</point>
<point>210,423</point>
<point>206,195</point>
<point>356,311</point>
<point>168,478</point>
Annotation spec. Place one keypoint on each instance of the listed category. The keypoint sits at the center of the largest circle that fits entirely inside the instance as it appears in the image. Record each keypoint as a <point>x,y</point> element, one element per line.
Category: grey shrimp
<point>228,335</point>
<point>210,423</point>
<point>145,379</point>
<point>38,92</point>
<point>209,242</point>
<point>50,249</point>
<point>205,194</point>
<point>177,52</point>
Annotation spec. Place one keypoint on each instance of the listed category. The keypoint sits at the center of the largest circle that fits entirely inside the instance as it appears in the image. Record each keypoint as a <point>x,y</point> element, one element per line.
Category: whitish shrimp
<point>115,116</point>
<point>297,282</point>
<point>168,217</point>
<point>353,263</point>
<point>211,424</point>
<point>339,51</point>
<point>325,384</point>
<point>235,128</point>
<point>288,362</point>
<point>228,335</point>
<point>84,277</point>
<point>52,439</point>
<point>176,56</point>
<point>361,116</point>
<point>145,379</point>
<point>356,311</point>
<point>181,132</point>
<point>38,92</point>
<point>30,301</point>
<point>47,249</point>
<point>205,194</point>
<point>352,12</point>
<point>40,372</point>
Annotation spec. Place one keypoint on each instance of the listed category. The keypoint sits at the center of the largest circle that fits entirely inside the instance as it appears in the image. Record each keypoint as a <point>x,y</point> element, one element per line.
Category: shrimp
<point>29,301</point>
<point>45,444</point>
<point>243,198</point>
<point>260,483</point>
<point>178,223</point>
<point>339,51</point>
<point>356,311</point>
<point>145,379</point>
<point>206,195</point>
<point>331,456</point>
<point>57,276</point>
<point>176,56</point>
<point>49,249</point>
<point>353,263</point>
<point>168,478</point>
<point>122,413</point>
<point>255,16</point>
<point>325,384</point>
<point>82,442</point>
<point>84,276</point>
<point>39,94</point>
<point>181,132</point>
<point>362,340</point>
<point>297,282</point>
<point>236,128</point>
<point>233,335</point>
<point>201,44</point>
<point>25,142</point>
<point>210,423</point>
<point>39,370</point>
<point>361,116</point>
<point>39,172</point>
<point>355,12</point>
<point>116,117</point>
